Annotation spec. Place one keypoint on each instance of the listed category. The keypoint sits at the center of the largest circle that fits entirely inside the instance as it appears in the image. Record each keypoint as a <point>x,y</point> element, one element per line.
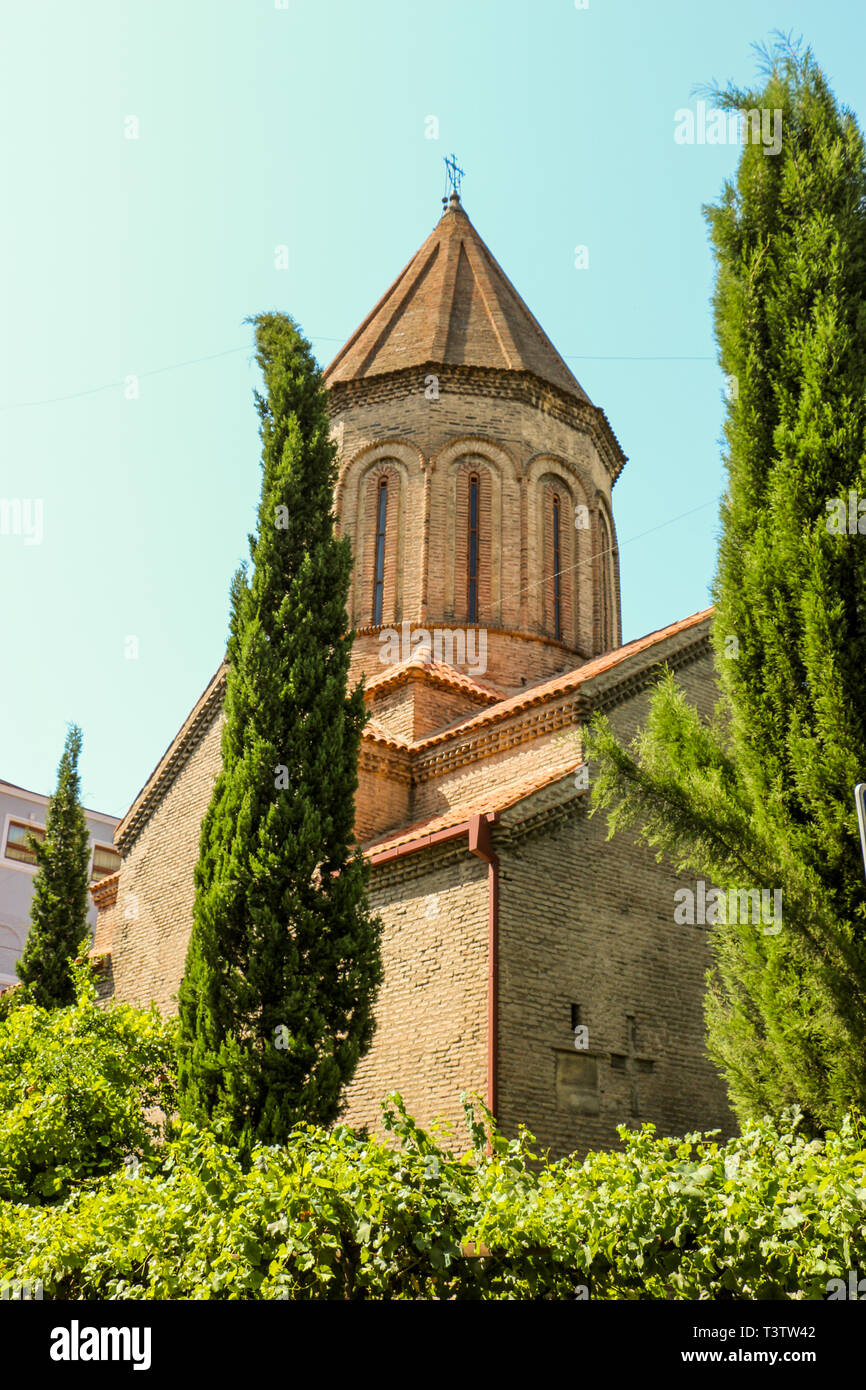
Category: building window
<point>17,841</point>
<point>105,861</point>
<point>379,579</point>
<point>605,574</point>
<point>557,608</point>
<point>10,950</point>
<point>473,549</point>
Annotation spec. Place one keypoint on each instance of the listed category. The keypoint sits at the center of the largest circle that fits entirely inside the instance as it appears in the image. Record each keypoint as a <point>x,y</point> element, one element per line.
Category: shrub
<point>342,1215</point>
<point>75,1084</point>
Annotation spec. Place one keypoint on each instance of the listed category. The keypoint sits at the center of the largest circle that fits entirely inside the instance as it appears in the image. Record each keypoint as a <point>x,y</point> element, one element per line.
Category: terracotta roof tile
<point>104,890</point>
<point>497,800</point>
<point>377,734</point>
<point>437,673</point>
<point>572,680</point>
<point>204,709</point>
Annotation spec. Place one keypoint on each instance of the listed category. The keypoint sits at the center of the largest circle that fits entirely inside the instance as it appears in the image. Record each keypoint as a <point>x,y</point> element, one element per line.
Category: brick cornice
<point>422,860</point>
<point>589,690</point>
<point>541,711</point>
<point>544,714</point>
<point>385,760</point>
<point>104,893</point>
<point>432,625</point>
<point>494,383</point>
<point>173,760</point>
<point>511,832</point>
<point>476,744</point>
<point>634,684</point>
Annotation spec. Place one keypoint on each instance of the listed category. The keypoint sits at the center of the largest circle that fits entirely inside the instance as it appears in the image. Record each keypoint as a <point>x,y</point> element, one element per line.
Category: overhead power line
<point>247,347</point>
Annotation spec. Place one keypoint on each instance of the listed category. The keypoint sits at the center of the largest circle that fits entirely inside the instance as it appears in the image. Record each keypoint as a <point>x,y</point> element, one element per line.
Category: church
<point>527,959</point>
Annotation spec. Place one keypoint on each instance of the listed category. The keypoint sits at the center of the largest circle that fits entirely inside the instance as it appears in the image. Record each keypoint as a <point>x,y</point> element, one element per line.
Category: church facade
<point>526,958</point>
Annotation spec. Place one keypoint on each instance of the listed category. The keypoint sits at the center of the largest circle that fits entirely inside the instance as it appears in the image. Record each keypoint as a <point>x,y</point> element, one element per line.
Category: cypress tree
<point>58,914</point>
<point>283,966</point>
<point>764,798</point>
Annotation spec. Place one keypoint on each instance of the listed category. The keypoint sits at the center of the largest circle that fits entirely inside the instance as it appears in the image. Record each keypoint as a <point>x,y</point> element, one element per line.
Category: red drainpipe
<point>481,844</point>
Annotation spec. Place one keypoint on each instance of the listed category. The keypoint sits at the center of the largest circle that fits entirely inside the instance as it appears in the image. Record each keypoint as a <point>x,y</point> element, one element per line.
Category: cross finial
<point>453,174</point>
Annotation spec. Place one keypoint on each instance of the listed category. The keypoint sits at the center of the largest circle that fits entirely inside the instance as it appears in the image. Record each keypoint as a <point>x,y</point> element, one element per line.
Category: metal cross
<point>454,173</point>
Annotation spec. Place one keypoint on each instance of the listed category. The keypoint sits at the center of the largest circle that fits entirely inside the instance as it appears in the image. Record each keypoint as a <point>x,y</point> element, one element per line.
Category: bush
<point>341,1215</point>
<point>75,1084</point>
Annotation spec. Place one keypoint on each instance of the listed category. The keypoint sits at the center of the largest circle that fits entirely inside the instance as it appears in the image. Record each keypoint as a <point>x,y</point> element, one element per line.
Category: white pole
<point>860,798</point>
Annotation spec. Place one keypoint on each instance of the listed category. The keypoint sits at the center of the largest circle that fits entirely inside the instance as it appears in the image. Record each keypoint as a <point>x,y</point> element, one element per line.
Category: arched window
<point>379,570</point>
<point>605,584</point>
<point>557,583</point>
<point>472,550</point>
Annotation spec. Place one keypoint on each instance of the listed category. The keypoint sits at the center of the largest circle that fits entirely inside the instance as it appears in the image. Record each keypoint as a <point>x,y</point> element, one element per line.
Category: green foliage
<point>276,1004</point>
<point>74,1083</point>
<point>765,798</point>
<point>341,1215</point>
<point>58,914</point>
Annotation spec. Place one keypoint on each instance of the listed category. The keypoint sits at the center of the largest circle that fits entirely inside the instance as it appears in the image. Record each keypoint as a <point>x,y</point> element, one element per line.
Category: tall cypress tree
<point>765,798</point>
<point>58,913</point>
<point>276,1003</point>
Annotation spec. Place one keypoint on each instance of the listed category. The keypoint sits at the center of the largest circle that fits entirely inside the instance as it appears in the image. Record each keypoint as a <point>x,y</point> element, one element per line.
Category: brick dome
<point>452,304</point>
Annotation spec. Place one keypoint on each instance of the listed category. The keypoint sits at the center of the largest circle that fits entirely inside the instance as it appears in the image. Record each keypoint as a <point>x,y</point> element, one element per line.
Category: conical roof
<point>452,305</point>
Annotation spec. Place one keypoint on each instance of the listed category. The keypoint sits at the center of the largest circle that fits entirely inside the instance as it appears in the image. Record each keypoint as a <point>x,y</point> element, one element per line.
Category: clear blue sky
<point>305,127</point>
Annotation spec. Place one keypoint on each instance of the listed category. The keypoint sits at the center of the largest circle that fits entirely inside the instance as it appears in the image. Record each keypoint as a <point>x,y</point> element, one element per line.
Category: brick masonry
<point>427,449</point>
<point>581,922</point>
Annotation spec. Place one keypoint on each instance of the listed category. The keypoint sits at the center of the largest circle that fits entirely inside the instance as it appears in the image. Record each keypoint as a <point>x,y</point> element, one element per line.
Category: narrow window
<point>557,614</point>
<point>379,582</point>
<point>604,576</point>
<point>473,548</point>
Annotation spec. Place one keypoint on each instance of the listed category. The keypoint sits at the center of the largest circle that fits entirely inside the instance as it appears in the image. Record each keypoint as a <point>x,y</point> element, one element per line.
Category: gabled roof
<point>563,685</point>
<point>433,828</point>
<point>452,305</point>
<point>496,801</point>
<point>210,703</point>
<point>422,666</point>
<point>205,710</point>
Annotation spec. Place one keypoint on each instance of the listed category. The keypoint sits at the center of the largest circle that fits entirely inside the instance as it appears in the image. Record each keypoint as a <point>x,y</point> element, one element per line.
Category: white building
<point>22,811</point>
